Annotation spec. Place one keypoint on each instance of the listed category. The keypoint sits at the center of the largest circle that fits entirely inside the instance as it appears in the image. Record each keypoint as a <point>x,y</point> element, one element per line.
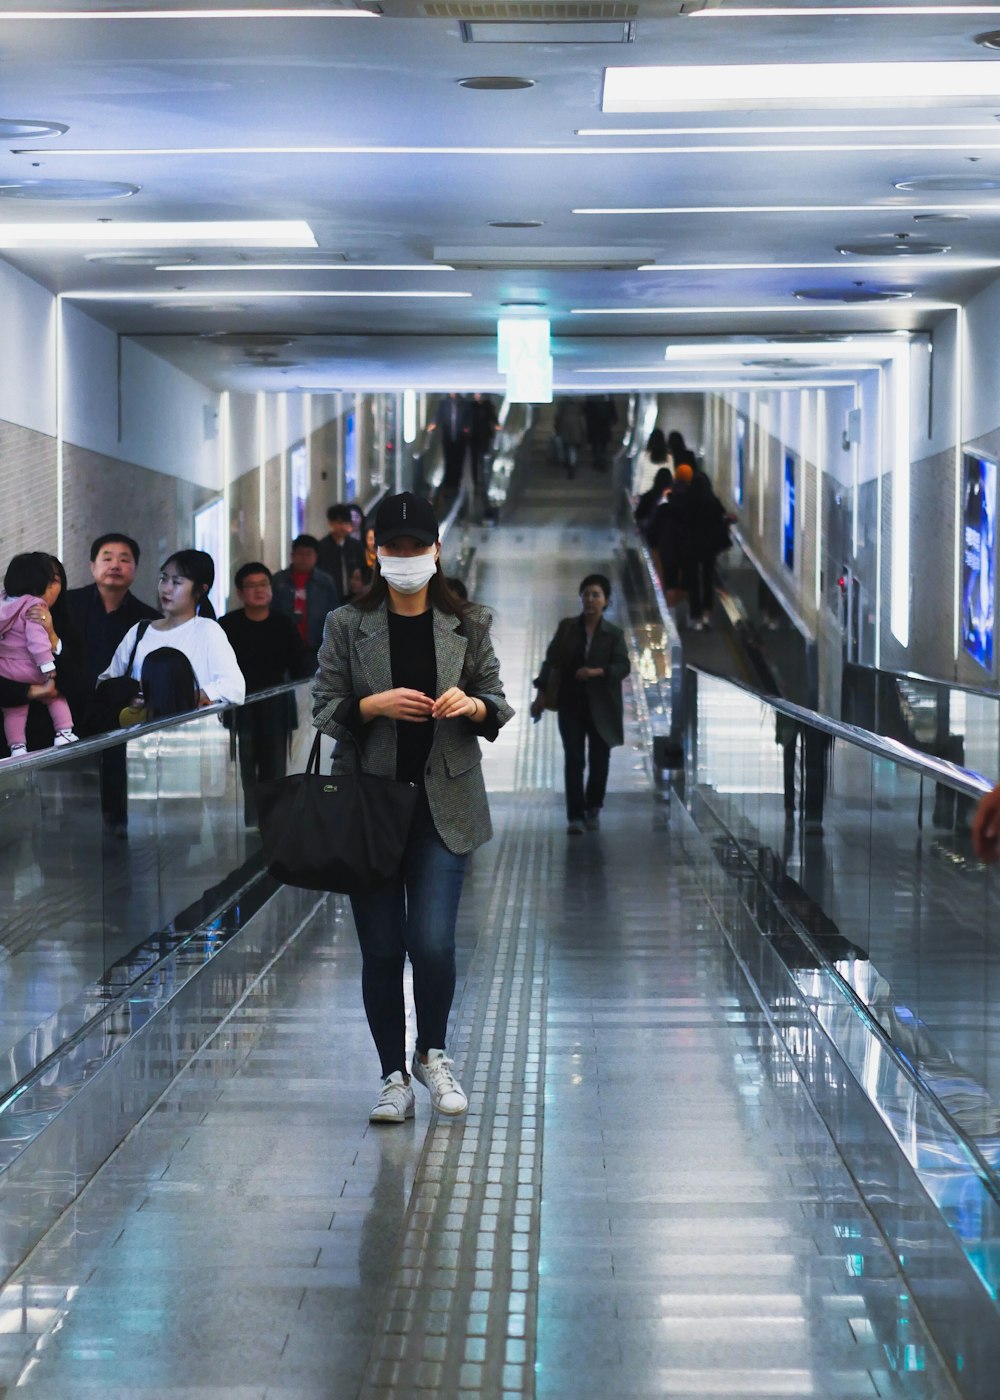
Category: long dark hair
<point>656,446</point>
<point>168,683</point>
<point>59,611</point>
<point>199,567</point>
<point>438,592</point>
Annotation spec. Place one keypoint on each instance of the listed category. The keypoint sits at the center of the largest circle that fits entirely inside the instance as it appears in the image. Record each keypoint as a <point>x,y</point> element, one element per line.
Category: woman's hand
<point>589,673</point>
<point>203,700</point>
<point>538,706</point>
<point>40,613</point>
<point>43,690</point>
<point>454,703</point>
<point>986,828</point>
<point>412,705</point>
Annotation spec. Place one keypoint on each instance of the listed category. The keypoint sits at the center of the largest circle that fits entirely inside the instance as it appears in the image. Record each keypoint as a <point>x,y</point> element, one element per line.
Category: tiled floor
<point>639,1203</point>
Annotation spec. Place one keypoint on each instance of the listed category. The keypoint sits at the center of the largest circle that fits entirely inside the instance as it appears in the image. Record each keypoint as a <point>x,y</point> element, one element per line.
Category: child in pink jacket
<point>25,649</point>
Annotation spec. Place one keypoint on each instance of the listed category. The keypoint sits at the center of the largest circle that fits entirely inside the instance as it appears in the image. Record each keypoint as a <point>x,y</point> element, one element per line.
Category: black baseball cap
<point>405,514</point>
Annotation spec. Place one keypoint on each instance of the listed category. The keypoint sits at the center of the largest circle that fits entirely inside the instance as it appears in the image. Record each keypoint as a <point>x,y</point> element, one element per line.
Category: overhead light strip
<point>310,267</point>
<point>735,368</point>
<point>843,307</point>
<point>770,148</point>
<point>299,13</point>
<point>789,129</point>
<point>185,296</point>
<point>776,384</point>
<point>982,207</point>
<point>826,11</point>
<point>864,346</point>
<point>846,262</point>
<point>235,233</point>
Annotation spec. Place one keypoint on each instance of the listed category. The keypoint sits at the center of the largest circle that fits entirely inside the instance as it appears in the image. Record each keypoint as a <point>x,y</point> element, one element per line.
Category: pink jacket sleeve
<point>39,645</point>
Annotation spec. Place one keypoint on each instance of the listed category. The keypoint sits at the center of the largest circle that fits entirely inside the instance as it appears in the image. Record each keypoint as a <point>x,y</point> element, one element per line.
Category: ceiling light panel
<point>301,267</point>
<point>186,297</point>
<point>838,11</point>
<point>191,13</point>
<point>983,207</point>
<point>771,309</point>
<point>707,87</point>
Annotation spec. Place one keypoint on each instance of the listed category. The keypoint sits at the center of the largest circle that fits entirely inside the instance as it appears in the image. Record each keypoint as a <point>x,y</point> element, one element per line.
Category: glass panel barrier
<point>112,853</point>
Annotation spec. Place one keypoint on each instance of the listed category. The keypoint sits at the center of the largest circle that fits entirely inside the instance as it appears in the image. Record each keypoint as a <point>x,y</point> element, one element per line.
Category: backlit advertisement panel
<point>740,464</point>
<point>979,556</point>
<point>788,512</point>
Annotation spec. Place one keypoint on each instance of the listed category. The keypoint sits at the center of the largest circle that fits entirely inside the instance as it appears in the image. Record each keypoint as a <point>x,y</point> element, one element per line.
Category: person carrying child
<point>26,650</point>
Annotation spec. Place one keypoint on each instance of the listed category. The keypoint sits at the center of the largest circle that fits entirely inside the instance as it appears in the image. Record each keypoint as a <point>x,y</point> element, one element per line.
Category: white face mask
<point>407,575</point>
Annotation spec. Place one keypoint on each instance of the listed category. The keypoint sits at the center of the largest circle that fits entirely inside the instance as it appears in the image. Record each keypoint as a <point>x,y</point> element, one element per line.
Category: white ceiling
<point>147,85</point>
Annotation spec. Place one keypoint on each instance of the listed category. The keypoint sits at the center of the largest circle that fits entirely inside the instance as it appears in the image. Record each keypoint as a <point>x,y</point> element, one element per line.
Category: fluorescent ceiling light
<point>864,347</point>
<point>982,207</point>
<point>656,89</point>
<point>235,233</point>
<point>304,13</point>
<point>770,148</point>
<point>945,263</point>
<point>776,384</point>
<point>739,361</point>
<point>241,295</point>
<point>338,267</point>
<point>751,310</point>
<point>787,130</point>
<point>822,12</point>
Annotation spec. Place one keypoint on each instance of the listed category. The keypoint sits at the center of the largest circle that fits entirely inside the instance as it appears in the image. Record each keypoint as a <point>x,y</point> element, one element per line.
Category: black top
<point>102,631</point>
<point>573,693</point>
<point>268,652</point>
<point>340,561</point>
<point>413,664</point>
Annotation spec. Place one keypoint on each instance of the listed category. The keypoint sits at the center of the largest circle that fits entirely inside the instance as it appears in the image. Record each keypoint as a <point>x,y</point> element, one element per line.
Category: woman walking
<point>408,684</point>
<point>581,678</point>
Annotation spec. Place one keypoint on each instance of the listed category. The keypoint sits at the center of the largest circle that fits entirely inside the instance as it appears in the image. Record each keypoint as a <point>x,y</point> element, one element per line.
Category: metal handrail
<point>49,758</point>
<point>962,780</point>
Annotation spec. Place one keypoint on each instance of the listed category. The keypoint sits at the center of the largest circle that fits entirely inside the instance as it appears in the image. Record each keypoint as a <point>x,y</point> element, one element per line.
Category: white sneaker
<point>18,750</point>
<point>395,1103</point>
<point>447,1095</point>
<point>64,737</point>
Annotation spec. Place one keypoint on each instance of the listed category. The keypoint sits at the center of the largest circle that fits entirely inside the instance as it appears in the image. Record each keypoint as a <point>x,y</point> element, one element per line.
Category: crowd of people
<point>683,521</point>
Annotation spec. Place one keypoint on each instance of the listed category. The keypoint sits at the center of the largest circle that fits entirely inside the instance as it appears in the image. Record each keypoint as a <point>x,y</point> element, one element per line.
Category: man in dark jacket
<point>103,611</point>
<point>306,594</point>
<point>340,555</point>
<point>453,422</point>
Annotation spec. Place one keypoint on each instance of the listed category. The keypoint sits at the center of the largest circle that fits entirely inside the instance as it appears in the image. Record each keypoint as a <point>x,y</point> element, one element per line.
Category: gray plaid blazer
<point>354,662</point>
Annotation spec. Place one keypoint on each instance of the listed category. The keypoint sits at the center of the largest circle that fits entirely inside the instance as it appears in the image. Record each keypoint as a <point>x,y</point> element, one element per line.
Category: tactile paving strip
<point>459,1315</point>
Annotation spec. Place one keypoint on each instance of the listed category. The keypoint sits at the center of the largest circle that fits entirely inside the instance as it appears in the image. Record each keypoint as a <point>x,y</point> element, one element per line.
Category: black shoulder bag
<point>343,832</point>
<point>114,694</point>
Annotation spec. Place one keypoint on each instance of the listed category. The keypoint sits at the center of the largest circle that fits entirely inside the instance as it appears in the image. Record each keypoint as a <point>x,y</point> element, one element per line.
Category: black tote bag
<point>340,833</point>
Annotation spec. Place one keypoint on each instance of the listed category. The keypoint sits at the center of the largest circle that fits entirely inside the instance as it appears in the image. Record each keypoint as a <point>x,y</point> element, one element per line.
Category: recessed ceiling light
<point>990,40</point>
<point>895,245</point>
<point>825,11</point>
<point>664,89</point>
<point>287,294</point>
<point>795,129</point>
<point>23,127</point>
<point>949,182</point>
<point>496,84</point>
<point>879,209</point>
<point>813,295</point>
<point>177,265</point>
<point>513,305</point>
<point>850,295</point>
<point>516,223</point>
<point>66,190</point>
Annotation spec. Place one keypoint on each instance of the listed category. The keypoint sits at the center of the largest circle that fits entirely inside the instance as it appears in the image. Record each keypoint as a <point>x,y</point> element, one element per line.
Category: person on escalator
<point>703,539</point>
<point>667,532</point>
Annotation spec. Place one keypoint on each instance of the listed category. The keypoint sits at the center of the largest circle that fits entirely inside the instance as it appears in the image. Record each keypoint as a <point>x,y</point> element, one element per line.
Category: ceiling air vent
<point>545,258</point>
<point>539,21</point>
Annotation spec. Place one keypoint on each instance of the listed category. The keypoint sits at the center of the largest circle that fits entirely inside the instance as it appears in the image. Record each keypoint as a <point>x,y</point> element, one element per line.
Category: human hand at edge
<point>453,703</point>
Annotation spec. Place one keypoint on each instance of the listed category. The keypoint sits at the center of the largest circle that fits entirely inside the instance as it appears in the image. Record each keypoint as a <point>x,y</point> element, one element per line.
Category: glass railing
<point>113,852</point>
<point>852,855</point>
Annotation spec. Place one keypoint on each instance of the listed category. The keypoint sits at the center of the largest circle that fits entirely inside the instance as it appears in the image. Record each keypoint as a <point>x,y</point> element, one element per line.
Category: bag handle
<point>312,763</point>
<point>140,632</point>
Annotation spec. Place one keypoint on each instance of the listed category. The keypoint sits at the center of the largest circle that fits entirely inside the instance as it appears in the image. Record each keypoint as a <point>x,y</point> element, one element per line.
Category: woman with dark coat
<point>408,683</point>
<point>650,501</point>
<point>706,526</point>
<point>581,678</point>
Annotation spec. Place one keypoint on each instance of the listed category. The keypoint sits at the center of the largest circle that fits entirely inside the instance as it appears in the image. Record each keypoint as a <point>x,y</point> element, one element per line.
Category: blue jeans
<point>412,916</point>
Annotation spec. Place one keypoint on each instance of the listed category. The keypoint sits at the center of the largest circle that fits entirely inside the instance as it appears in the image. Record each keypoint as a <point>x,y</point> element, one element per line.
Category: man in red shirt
<point>305,594</point>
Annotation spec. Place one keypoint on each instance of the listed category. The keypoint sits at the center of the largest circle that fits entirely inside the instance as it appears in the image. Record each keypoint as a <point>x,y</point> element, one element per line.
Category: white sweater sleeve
<point>119,662</point>
<point>222,678</point>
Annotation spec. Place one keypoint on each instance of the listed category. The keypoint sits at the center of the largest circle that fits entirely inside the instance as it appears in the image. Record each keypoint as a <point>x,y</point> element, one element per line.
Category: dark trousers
<point>114,786</point>
<point>454,461</point>
<point>579,733</point>
<point>699,578</point>
<point>262,739</point>
<point>414,916</point>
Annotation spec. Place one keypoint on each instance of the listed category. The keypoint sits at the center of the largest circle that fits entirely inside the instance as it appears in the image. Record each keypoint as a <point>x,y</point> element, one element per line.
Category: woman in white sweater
<point>188,624</point>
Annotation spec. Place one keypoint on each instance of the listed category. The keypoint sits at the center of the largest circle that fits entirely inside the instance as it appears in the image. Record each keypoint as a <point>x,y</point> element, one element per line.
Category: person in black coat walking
<point>581,678</point>
<point>702,541</point>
